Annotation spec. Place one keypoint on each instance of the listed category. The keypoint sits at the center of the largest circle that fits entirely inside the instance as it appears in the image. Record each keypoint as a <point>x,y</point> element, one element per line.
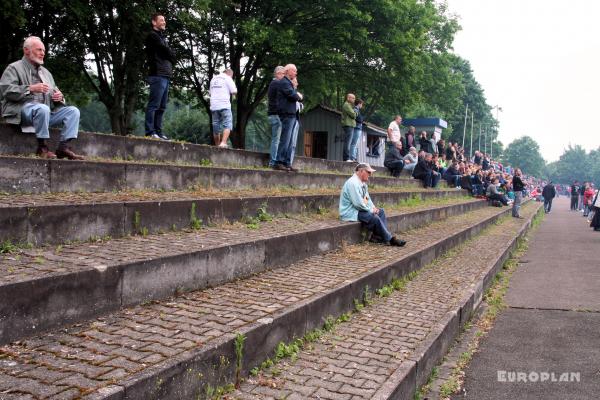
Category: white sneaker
<point>349,161</point>
<point>223,145</point>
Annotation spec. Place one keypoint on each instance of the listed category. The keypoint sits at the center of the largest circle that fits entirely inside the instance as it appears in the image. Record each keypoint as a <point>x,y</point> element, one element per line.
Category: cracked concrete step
<point>54,218</point>
<point>388,349</point>
<point>45,287</point>
<point>34,175</point>
<point>174,349</point>
<point>13,142</point>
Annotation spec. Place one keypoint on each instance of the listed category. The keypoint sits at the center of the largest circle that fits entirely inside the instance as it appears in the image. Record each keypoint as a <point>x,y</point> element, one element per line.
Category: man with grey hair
<point>287,97</point>
<point>356,205</point>
<point>222,87</point>
<point>31,99</point>
<point>273,113</point>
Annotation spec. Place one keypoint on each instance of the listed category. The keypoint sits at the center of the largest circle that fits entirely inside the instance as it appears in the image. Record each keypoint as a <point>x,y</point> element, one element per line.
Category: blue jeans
<point>547,205</point>
<point>516,208</point>
<point>354,143</point>
<point>453,179</point>
<point>348,134</point>
<point>295,130</point>
<point>157,103</point>
<point>221,120</point>
<point>275,136</point>
<point>40,116</point>
<point>285,142</point>
<point>375,223</point>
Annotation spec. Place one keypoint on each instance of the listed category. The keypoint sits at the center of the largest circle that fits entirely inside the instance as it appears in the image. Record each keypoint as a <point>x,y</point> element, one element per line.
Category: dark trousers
<point>285,141</point>
<point>429,179</point>
<point>395,167</point>
<point>501,198</point>
<point>348,134</point>
<point>376,223</point>
<point>157,103</point>
<point>574,202</point>
<point>547,205</point>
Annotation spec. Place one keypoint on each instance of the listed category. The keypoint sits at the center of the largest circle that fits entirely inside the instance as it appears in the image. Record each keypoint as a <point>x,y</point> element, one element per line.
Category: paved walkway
<point>553,323</point>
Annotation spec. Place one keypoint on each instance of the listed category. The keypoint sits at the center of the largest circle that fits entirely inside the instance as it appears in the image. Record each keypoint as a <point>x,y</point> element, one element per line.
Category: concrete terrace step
<point>58,218</point>
<point>34,175</point>
<point>388,349</point>
<point>42,288</point>
<point>174,349</point>
<point>13,142</point>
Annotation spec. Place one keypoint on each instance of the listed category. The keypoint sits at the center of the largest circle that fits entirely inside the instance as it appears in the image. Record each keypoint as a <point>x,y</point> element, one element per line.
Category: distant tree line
<point>395,55</point>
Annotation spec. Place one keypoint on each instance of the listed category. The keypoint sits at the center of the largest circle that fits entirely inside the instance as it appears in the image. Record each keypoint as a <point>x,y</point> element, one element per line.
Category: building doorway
<point>315,144</point>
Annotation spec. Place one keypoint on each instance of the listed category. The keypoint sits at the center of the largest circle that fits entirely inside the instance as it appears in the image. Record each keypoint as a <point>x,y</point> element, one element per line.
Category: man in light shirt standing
<point>394,130</point>
<point>222,87</point>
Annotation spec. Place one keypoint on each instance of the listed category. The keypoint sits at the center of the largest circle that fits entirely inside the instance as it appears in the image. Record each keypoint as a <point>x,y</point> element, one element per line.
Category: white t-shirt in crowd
<point>221,89</point>
<point>395,136</point>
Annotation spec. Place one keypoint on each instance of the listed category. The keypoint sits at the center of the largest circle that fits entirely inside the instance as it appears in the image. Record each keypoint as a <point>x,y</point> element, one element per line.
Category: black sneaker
<point>280,167</point>
<point>162,136</point>
<point>292,169</point>
<point>394,241</point>
<point>375,239</point>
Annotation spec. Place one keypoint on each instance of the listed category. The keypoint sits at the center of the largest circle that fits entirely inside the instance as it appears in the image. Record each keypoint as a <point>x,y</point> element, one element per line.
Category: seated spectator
<point>394,160</point>
<point>452,175</point>
<point>424,171</point>
<point>30,98</point>
<point>356,205</point>
<point>493,194</point>
<point>410,160</point>
<point>424,143</point>
<point>477,183</point>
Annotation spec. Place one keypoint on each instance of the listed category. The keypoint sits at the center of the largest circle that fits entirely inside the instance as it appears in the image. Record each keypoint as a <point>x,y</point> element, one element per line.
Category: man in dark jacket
<point>424,171</point>
<point>394,161</point>
<point>548,193</point>
<point>574,195</point>
<point>287,97</point>
<point>518,186</point>
<point>160,69</point>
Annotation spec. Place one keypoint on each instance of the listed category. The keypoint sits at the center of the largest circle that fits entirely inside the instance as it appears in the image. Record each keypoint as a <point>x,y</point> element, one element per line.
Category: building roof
<point>417,122</point>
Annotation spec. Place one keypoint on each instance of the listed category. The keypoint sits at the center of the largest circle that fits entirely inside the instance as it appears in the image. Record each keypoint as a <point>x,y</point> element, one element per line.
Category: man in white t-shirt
<point>394,130</point>
<point>222,87</point>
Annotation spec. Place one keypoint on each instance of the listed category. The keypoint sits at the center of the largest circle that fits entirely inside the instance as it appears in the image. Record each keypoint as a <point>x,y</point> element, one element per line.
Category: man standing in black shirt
<point>548,194</point>
<point>518,187</point>
<point>574,195</point>
<point>273,113</point>
<point>160,70</point>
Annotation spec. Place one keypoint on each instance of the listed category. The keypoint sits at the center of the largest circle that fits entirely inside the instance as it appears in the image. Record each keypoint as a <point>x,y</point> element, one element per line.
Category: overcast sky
<point>540,61</point>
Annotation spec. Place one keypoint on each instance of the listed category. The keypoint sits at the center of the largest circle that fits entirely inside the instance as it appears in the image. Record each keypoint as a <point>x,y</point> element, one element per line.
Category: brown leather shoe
<point>43,152</point>
<point>66,152</point>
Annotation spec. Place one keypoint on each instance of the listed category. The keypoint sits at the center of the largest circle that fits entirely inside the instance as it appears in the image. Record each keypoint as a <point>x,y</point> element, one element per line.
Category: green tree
<point>524,153</point>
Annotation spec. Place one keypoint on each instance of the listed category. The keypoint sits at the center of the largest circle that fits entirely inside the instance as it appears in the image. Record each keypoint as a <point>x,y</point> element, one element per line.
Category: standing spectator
<point>356,205</point>
<point>549,192</point>
<point>588,196</point>
<point>424,170</point>
<point>348,125</point>
<point>287,98</point>
<point>410,137</point>
<point>393,131</point>
<point>296,128</point>
<point>574,195</point>
<point>160,59</point>
<point>450,152</point>
<point>595,223</point>
<point>222,87</point>
<point>357,130</point>
<point>580,199</point>
<point>477,158</point>
<point>517,186</point>
<point>30,98</point>
<point>441,148</point>
<point>410,160</point>
<point>273,113</point>
<point>394,160</point>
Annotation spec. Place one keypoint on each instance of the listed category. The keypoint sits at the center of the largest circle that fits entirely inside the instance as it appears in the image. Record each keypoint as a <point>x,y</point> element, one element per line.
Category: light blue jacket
<point>354,198</point>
